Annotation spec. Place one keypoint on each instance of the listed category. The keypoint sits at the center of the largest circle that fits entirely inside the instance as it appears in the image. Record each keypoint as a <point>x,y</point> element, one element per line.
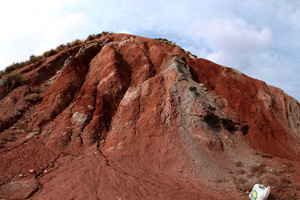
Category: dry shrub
<point>76,42</point>
<point>33,95</point>
<point>241,171</point>
<point>221,181</point>
<point>15,80</point>
<point>285,182</point>
<point>91,37</point>
<point>267,156</point>
<point>240,181</point>
<point>278,196</point>
<point>289,165</point>
<point>61,48</point>
<point>242,185</point>
<point>34,90</point>
<point>271,181</point>
<point>7,136</point>
<point>33,59</point>
<point>258,169</point>
<point>21,125</point>
<point>13,67</point>
<point>33,98</point>
<point>238,164</point>
<point>49,53</point>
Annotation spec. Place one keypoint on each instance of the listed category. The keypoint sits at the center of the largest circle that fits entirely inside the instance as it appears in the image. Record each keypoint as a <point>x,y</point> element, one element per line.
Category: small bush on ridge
<point>15,80</point>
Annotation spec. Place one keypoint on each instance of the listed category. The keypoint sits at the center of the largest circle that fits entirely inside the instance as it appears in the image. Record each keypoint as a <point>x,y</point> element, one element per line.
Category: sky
<point>259,38</point>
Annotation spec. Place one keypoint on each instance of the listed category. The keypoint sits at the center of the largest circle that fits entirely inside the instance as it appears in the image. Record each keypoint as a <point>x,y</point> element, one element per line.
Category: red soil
<point>127,117</point>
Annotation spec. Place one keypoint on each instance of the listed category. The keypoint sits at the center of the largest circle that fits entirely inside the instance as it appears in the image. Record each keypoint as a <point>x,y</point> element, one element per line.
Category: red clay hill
<point>127,117</point>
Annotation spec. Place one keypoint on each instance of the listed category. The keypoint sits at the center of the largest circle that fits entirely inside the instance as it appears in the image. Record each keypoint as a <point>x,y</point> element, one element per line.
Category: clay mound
<point>126,117</point>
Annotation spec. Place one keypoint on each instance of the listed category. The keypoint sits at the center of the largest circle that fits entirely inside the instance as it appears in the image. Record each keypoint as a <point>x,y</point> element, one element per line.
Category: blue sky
<point>259,38</point>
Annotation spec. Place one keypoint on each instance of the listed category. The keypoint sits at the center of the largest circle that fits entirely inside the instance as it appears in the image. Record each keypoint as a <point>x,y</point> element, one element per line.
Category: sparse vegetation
<point>34,90</point>
<point>13,67</point>
<point>33,95</point>
<point>241,171</point>
<point>52,52</point>
<point>15,80</point>
<point>285,182</point>
<point>33,58</point>
<point>18,65</point>
<point>266,156</point>
<point>75,43</point>
<point>242,185</point>
<point>289,165</point>
<point>272,181</point>
<point>245,129</point>
<point>258,169</point>
<point>229,125</point>
<point>164,40</point>
<point>21,125</point>
<point>213,120</point>
<point>91,37</point>
<point>61,48</point>
<point>221,181</point>
<point>279,185</point>
<point>7,136</point>
<point>238,164</point>
<point>33,98</point>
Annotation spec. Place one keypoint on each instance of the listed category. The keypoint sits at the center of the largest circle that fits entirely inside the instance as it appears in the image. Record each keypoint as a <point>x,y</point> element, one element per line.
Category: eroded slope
<point>132,118</point>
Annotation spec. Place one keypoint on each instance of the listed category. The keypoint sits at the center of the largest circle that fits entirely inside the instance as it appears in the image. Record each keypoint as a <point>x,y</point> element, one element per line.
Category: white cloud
<point>63,30</point>
<point>260,38</point>
<point>236,43</point>
<point>33,26</point>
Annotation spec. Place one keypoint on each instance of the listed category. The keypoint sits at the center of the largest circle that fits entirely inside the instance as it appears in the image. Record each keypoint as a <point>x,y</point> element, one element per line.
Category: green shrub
<point>33,59</point>
<point>13,67</point>
<point>52,52</point>
<point>99,35</point>
<point>76,42</point>
<point>15,80</point>
<point>91,37</point>
<point>61,48</point>
<point>106,33</point>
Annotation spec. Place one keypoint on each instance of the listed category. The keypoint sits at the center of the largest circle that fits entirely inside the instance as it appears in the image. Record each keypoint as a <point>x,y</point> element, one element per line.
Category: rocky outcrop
<point>126,117</point>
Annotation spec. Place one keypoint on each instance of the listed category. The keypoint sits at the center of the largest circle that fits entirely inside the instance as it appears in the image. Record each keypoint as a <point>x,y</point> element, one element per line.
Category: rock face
<point>126,117</point>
